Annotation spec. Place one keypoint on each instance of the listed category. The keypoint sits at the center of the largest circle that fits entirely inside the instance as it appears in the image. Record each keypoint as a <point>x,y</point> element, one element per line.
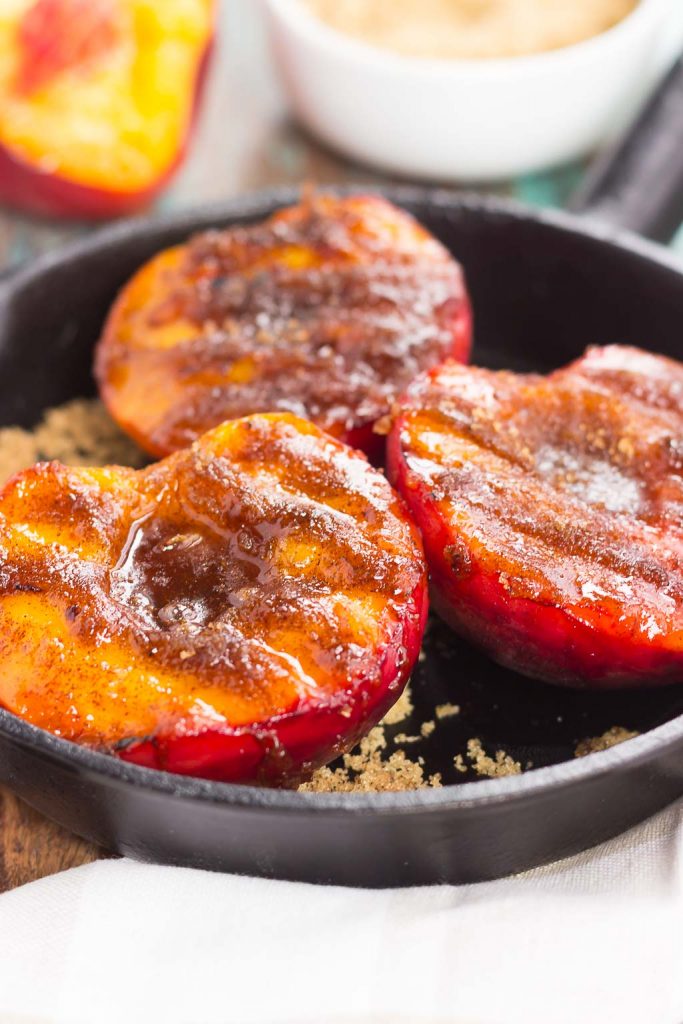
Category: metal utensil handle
<point>638,182</point>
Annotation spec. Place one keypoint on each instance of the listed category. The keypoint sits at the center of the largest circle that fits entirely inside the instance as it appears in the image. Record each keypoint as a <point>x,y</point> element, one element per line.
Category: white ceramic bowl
<point>466,120</point>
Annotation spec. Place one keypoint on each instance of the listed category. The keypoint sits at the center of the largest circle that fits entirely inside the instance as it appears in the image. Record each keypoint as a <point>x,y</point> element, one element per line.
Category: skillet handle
<point>638,182</point>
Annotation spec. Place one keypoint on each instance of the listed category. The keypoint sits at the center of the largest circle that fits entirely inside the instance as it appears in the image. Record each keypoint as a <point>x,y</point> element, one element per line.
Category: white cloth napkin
<point>597,939</point>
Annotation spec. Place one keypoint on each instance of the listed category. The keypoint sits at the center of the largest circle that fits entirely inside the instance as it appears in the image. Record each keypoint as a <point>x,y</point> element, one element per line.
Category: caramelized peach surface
<point>245,609</point>
<point>327,310</point>
<point>551,510</point>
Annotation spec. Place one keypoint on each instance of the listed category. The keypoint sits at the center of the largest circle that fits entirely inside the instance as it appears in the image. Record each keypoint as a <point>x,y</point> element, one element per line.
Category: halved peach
<point>244,610</point>
<point>326,310</point>
<point>97,100</point>
<point>551,512</point>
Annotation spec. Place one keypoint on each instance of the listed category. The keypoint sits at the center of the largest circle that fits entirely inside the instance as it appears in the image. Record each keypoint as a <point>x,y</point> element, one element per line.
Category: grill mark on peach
<point>498,483</point>
<point>567,528</point>
<point>327,310</point>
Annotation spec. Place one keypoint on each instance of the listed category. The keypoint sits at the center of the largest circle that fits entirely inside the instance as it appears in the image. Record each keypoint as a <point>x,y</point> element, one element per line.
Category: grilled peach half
<point>551,513</point>
<point>326,310</point>
<point>243,610</point>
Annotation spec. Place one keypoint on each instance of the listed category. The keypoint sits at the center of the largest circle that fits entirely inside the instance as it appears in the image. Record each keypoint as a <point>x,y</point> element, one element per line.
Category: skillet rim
<point>455,796</point>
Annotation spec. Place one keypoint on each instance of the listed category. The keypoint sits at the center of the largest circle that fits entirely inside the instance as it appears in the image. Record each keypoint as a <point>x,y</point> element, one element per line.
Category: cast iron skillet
<point>544,286</point>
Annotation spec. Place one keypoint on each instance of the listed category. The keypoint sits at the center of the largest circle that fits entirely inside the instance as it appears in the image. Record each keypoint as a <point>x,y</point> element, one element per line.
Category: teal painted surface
<point>553,188</point>
<point>548,188</point>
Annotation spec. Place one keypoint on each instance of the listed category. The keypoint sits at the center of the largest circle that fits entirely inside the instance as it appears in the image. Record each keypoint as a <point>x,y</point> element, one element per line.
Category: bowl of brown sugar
<point>469,90</point>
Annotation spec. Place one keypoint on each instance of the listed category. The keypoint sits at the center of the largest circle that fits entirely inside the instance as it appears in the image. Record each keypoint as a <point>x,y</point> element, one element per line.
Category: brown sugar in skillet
<point>327,310</point>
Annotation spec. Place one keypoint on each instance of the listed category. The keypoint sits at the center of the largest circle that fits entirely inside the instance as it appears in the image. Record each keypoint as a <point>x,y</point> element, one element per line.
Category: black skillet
<point>544,286</point>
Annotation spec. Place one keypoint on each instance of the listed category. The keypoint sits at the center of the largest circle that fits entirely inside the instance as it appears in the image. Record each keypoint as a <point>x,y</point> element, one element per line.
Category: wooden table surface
<point>244,141</point>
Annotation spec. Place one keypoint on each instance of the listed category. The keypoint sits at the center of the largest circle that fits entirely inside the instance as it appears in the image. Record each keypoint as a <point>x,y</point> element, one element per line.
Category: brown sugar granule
<point>446,710</point>
<point>400,710</point>
<point>382,426</point>
<point>328,780</point>
<point>403,737</point>
<point>79,433</point>
<point>367,750</point>
<point>617,734</point>
<point>625,447</point>
<point>493,767</point>
<point>365,771</point>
